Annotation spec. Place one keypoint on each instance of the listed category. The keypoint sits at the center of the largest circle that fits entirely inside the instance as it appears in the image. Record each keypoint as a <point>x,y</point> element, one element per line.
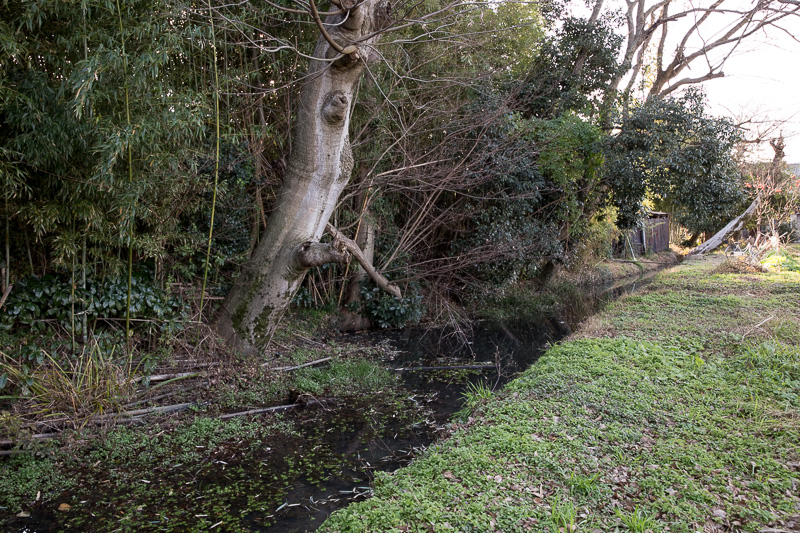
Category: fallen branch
<point>141,412</point>
<point>156,398</point>
<point>160,409</point>
<point>195,365</point>
<point>137,415</point>
<point>165,377</point>
<point>38,436</point>
<point>734,225</point>
<point>379,279</point>
<point>305,339</point>
<point>642,261</point>
<point>457,367</point>
<point>117,416</point>
<point>304,365</point>
<point>756,327</point>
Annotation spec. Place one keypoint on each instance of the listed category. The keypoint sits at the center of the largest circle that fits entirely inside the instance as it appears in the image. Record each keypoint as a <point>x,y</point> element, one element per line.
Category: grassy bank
<point>677,408</point>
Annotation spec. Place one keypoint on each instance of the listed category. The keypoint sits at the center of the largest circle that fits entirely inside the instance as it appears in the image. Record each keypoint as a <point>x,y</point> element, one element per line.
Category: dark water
<point>434,391</point>
<point>506,349</point>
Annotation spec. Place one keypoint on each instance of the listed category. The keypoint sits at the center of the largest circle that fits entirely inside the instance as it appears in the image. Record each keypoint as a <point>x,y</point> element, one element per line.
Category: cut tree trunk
<point>317,171</point>
<point>722,235</point>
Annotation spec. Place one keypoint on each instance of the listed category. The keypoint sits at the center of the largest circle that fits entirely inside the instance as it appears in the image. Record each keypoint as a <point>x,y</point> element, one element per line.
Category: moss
<point>264,325</point>
<point>26,478</point>
<point>238,316</point>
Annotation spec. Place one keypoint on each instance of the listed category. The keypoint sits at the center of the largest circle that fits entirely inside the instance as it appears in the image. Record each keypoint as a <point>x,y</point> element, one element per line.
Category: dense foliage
<point>572,70</point>
<point>479,153</point>
<point>669,150</point>
<point>108,160</point>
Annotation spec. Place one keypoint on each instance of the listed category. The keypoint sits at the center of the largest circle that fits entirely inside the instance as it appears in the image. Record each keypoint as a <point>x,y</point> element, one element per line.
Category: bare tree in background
<point>692,41</point>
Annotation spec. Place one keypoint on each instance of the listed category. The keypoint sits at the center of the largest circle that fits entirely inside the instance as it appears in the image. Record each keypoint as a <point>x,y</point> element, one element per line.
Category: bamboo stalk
<point>7,273</point>
<point>72,303</point>
<point>216,161</point>
<point>84,320</point>
<point>130,181</point>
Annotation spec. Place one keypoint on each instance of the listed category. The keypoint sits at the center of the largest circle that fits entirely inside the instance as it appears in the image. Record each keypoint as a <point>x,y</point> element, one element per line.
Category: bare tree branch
<point>379,279</point>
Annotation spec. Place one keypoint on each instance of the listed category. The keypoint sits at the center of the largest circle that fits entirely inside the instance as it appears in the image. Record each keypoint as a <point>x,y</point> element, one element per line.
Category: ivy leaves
<point>38,301</point>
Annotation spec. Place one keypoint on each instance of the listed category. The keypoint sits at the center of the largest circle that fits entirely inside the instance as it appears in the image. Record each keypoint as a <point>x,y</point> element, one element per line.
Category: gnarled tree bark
<point>317,171</point>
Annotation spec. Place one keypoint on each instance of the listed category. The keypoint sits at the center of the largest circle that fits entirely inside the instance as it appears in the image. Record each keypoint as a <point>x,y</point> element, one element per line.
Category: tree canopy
<point>670,151</point>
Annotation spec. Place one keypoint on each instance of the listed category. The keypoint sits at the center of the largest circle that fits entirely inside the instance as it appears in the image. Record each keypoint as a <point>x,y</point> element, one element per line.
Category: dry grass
<point>737,266</point>
<point>72,389</point>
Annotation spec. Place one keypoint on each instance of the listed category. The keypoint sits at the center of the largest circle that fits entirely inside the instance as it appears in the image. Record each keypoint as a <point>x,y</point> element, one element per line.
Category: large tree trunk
<point>317,171</point>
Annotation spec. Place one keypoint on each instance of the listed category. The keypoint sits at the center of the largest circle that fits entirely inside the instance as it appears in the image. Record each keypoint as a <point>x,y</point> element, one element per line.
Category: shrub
<point>389,312</point>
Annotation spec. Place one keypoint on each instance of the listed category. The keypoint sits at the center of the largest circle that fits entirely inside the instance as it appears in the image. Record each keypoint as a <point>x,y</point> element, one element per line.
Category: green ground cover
<point>676,409</point>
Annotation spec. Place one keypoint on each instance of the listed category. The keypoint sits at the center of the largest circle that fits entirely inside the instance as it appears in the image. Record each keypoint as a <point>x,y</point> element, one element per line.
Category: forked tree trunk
<point>317,171</point>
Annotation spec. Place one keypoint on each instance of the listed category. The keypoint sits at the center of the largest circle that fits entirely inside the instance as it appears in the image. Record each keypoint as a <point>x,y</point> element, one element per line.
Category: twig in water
<point>275,409</point>
<point>458,367</point>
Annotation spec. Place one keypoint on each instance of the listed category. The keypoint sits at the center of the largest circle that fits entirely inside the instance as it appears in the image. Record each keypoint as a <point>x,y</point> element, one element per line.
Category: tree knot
<point>334,108</point>
<point>312,254</point>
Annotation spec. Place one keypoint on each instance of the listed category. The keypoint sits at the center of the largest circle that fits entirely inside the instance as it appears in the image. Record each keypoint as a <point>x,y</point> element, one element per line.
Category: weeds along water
<point>284,472</point>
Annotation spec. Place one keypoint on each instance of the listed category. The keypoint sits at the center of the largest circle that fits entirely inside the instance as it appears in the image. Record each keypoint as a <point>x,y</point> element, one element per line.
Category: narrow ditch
<point>436,367</point>
<point>291,483</point>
